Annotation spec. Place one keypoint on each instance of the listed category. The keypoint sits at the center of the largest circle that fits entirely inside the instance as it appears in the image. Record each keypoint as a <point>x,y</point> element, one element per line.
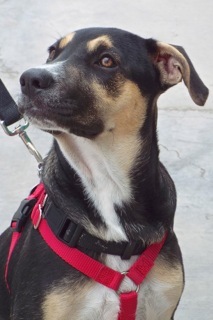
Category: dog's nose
<point>35,80</point>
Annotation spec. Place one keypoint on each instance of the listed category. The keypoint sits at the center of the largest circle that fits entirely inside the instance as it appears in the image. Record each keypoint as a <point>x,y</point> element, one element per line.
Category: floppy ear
<point>174,65</point>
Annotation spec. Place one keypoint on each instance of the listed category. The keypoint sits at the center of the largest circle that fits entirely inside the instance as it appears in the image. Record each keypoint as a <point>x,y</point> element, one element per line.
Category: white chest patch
<point>105,183</point>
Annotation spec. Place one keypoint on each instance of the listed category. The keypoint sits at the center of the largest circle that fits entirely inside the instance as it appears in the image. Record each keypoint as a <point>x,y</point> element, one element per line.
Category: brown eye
<point>107,62</point>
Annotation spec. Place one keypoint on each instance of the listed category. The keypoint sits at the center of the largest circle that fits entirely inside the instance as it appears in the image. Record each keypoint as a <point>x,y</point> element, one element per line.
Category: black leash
<point>9,115</point>
<point>8,109</point>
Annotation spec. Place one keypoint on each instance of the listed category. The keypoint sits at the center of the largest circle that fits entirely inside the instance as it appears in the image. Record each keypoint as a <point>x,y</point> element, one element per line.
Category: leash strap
<point>8,108</point>
<point>89,266</point>
<point>9,114</point>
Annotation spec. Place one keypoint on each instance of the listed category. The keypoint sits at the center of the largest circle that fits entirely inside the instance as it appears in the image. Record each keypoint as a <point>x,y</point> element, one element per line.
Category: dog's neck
<point>121,186</point>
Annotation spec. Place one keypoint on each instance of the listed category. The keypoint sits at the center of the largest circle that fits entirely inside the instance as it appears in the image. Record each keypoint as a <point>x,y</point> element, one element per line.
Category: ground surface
<point>185,131</point>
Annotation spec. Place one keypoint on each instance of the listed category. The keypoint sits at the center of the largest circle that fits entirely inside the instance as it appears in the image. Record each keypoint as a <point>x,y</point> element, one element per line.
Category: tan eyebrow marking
<point>64,41</point>
<point>93,44</point>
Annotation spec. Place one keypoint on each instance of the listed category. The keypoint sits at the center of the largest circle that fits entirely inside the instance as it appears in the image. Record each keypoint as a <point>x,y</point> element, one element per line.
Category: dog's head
<point>102,80</point>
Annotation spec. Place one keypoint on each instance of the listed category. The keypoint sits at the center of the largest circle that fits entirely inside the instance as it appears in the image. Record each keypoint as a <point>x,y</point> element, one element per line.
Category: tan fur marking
<point>160,291</point>
<point>64,302</point>
<point>64,41</point>
<point>93,44</point>
<point>123,117</point>
<point>167,275</point>
<point>129,105</point>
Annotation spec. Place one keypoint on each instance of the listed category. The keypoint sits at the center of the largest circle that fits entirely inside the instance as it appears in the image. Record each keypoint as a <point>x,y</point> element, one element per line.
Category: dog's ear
<point>174,65</point>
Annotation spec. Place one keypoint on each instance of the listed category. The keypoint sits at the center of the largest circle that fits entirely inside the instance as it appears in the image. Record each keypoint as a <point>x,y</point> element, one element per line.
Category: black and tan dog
<point>97,95</point>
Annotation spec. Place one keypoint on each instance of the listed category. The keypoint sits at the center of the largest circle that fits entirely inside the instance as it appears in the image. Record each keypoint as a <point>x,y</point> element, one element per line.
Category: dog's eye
<point>107,61</point>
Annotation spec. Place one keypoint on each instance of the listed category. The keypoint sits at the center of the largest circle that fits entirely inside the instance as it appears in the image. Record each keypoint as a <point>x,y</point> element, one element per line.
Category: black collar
<point>74,235</point>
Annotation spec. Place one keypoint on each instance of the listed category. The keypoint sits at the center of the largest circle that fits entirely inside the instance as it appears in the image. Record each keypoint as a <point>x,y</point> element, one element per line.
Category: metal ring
<point>40,208</point>
<point>36,225</point>
<point>137,285</point>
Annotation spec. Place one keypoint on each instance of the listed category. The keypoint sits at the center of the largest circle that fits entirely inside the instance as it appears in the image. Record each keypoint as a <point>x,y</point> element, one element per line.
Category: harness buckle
<point>71,233</point>
<point>21,215</point>
<point>128,251</point>
<point>65,230</point>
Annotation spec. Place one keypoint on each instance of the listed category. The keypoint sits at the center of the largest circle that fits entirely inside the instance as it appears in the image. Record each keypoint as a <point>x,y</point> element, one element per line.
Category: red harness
<point>87,265</point>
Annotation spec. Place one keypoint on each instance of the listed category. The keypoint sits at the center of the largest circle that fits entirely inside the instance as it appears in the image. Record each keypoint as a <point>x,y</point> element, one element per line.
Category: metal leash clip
<point>20,130</point>
<point>9,112</point>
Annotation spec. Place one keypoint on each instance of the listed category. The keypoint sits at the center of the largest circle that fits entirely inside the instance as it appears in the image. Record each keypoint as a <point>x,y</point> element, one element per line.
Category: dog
<point>97,95</point>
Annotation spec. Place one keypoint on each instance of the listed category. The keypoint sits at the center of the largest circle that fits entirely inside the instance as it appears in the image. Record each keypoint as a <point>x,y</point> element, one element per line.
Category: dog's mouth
<point>37,112</point>
<point>56,116</point>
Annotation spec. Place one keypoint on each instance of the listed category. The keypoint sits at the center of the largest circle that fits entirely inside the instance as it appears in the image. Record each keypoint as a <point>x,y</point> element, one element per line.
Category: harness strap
<point>90,267</point>
<point>77,259</point>
<point>98,271</point>
<point>17,229</point>
<point>128,306</point>
<point>15,237</point>
<point>145,262</point>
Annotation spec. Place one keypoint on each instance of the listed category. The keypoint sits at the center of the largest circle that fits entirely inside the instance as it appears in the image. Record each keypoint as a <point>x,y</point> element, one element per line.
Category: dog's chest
<point>105,183</point>
<point>157,298</point>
